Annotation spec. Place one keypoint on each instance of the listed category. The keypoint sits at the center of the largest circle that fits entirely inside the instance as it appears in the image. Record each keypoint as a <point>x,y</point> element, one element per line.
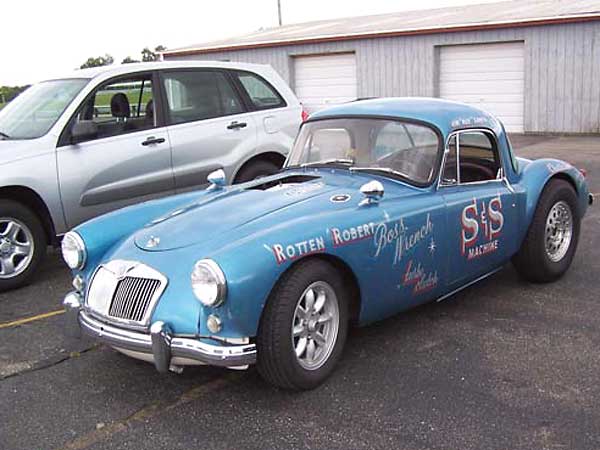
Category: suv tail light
<point>583,172</point>
<point>305,114</point>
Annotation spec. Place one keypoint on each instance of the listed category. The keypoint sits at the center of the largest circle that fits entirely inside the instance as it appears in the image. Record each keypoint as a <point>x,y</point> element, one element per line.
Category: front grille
<point>132,297</point>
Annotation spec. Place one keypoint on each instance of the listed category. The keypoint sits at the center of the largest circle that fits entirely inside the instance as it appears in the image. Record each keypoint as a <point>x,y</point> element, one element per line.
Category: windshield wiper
<point>380,169</point>
<point>4,135</point>
<point>328,161</point>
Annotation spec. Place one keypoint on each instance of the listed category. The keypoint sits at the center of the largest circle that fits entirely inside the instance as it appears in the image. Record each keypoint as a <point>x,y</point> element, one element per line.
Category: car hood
<point>229,209</point>
<point>267,201</point>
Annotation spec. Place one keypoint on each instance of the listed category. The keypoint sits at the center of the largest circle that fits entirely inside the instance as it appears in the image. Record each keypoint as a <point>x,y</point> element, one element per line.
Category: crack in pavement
<point>104,432</point>
<point>44,363</point>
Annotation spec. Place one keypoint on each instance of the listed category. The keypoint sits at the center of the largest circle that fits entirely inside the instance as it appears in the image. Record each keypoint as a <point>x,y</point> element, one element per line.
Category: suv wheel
<point>255,170</point>
<point>22,244</point>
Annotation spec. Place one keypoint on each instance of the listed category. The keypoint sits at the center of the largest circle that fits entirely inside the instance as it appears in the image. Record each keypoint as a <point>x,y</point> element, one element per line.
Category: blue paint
<point>410,248</point>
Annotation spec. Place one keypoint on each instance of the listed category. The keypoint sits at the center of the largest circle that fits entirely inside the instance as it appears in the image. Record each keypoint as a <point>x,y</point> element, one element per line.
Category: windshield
<point>393,147</point>
<point>36,110</point>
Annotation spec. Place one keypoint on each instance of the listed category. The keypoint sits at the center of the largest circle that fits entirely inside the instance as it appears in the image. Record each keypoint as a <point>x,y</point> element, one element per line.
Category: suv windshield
<point>391,147</point>
<point>37,109</point>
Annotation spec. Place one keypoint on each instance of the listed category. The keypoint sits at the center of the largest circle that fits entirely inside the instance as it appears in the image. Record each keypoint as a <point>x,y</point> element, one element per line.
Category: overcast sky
<point>44,38</point>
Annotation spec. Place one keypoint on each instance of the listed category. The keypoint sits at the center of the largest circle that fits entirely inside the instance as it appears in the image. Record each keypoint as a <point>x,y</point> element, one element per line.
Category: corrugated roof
<point>489,15</point>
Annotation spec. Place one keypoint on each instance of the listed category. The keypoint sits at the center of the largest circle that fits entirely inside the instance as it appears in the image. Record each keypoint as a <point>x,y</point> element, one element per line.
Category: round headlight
<point>73,250</point>
<point>208,283</point>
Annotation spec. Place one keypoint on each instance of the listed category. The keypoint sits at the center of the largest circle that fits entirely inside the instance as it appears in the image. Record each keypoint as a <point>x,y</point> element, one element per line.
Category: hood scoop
<point>280,183</point>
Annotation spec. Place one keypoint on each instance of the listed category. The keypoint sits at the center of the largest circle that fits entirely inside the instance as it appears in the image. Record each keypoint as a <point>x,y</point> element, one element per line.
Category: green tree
<point>105,60</point>
<point>129,60</point>
<point>149,55</point>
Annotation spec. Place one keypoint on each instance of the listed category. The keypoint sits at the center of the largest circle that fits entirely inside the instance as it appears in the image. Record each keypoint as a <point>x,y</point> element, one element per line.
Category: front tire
<point>304,325</point>
<point>22,244</point>
<point>256,169</point>
<point>551,241</point>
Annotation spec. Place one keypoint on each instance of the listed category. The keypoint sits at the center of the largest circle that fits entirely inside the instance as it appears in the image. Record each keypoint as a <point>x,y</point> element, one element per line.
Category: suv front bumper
<point>160,342</point>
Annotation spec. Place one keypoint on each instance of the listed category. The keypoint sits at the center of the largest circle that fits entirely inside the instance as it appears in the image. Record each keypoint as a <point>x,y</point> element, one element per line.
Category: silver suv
<point>79,146</point>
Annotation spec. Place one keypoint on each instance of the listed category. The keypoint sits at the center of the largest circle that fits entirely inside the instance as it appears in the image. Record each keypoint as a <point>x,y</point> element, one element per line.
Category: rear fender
<point>535,175</point>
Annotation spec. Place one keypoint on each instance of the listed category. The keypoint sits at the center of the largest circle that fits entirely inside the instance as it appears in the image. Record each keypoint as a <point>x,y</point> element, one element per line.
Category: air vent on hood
<point>292,179</point>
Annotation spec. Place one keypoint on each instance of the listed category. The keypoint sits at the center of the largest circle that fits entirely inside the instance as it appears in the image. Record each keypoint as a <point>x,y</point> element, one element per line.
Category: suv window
<point>120,107</point>
<point>262,94</point>
<point>199,94</point>
<point>477,156</point>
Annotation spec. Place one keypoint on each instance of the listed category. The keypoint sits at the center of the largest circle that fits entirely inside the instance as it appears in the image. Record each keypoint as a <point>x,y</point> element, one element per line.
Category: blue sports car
<point>382,205</point>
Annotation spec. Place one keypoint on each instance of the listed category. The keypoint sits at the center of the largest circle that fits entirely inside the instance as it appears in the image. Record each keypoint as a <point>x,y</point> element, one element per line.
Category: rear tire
<point>256,169</point>
<point>551,241</point>
<point>301,334</point>
<point>23,244</point>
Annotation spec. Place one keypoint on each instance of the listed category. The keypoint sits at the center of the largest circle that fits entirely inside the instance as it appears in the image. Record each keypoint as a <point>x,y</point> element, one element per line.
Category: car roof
<point>118,69</point>
<point>445,115</point>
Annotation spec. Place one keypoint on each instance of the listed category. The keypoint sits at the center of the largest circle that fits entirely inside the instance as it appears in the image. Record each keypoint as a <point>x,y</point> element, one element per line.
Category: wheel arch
<point>270,156</point>
<point>347,273</point>
<point>33,201</point>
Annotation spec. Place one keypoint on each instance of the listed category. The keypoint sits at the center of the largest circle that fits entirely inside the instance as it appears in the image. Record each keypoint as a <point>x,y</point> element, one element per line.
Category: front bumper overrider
<point>160,342</point>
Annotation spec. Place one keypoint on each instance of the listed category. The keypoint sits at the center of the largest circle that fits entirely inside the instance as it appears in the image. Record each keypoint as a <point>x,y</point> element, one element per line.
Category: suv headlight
<point>73,250</point>
<point>208,283</point>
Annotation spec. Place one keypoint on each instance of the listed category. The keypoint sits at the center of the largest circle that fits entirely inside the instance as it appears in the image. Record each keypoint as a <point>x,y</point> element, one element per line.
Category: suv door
<point>208,124</point>
<point>481,207</point>
<point>123,154</point>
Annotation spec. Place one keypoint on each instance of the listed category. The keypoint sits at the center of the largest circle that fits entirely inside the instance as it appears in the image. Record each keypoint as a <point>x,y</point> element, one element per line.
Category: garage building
<point>536,65</point>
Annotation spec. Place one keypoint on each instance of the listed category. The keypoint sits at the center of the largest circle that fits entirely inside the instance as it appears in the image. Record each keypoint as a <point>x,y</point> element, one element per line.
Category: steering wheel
<point>483,172</point>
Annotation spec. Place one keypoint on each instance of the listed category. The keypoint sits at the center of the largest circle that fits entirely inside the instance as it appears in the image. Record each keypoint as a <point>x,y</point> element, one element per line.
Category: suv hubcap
<point>16,247</point>
<point>559,231</point>
<point>315,325</point>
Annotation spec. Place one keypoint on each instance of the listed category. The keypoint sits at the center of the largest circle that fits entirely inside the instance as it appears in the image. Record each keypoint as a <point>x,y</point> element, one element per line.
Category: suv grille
<point>132,298</point>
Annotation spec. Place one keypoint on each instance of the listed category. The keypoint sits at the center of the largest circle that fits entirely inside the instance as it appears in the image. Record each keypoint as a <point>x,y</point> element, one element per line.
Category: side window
<point>477,158</point>
<point>262,94</point>
<point>199,94</point>
<point>120,107</point>
<point>450,173</point>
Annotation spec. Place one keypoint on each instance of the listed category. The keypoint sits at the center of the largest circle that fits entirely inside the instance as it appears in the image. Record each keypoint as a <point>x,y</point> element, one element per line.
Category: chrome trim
<point>590,199</point>
<point>163,345</point>
<point>121,269</point>
<point>470,283</point>
<point>72,304</point>
<point>503,179</point>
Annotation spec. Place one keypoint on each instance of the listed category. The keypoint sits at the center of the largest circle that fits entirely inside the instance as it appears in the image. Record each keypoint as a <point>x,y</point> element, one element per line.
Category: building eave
<point>386,33</point>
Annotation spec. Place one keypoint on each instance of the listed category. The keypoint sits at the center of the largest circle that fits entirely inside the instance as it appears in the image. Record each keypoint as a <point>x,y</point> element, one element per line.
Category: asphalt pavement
<point>502,365</point>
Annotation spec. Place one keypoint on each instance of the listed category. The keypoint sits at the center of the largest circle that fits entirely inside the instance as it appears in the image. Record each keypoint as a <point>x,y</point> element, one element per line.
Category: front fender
<point>535,175</point>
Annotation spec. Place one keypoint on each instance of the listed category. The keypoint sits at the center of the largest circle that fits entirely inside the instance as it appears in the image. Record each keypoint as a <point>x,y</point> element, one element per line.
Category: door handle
<point>153,140</point>
<point>236,125</point>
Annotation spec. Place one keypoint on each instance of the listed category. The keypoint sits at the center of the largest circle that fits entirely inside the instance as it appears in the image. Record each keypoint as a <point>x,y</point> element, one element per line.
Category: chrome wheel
<point>559,231</point>
<point>16,247</point>
<point>315,325</point>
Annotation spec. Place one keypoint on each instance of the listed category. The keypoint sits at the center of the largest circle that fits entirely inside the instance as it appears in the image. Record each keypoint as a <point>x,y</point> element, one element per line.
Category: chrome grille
<point>132,297</point>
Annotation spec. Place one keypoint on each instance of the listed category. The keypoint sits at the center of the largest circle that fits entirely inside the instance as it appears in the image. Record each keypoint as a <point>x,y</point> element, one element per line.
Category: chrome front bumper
<point>160,342</point>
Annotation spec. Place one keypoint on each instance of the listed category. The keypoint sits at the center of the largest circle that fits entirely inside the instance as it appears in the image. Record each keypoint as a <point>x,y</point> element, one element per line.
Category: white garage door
<point>325,80</point>
<point>490,76</point>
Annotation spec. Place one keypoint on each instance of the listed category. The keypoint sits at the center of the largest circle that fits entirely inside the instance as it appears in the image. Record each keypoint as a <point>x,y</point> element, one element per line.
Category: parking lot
<point>502,365</point>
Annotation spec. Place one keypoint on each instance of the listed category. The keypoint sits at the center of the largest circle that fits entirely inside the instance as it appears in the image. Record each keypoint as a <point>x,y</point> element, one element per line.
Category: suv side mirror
<point>83,130</point>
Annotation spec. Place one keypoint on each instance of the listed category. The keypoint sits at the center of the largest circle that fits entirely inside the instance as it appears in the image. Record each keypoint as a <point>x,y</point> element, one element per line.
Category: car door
<point>122,157</point>
<point>481,212</point>
<point>208,125</point>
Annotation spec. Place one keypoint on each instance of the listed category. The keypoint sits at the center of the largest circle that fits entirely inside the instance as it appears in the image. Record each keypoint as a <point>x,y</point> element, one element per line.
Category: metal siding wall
<point>562,69</point>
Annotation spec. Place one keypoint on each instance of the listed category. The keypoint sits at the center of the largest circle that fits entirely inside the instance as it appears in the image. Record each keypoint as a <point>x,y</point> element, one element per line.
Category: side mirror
<point>373,191</point>
<point>217,179</point>
<point>83,130</point>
